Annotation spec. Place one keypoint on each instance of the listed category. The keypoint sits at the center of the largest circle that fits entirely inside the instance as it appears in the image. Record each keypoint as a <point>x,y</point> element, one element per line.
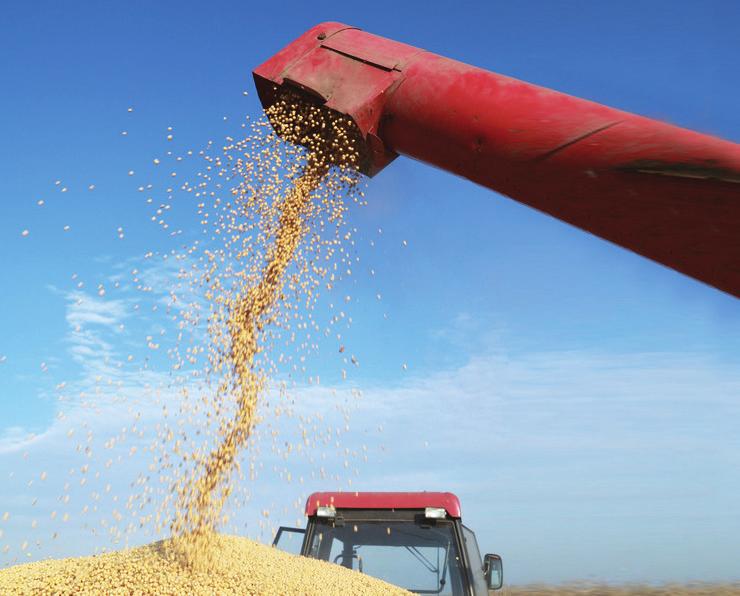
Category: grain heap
<point>240,567</point>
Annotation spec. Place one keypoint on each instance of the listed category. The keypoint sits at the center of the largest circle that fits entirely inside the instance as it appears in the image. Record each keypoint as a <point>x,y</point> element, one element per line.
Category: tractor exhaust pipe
<point>664,192</point>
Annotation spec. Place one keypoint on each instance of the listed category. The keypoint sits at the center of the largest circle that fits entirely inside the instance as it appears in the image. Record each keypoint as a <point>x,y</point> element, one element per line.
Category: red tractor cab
<point>415,540</point>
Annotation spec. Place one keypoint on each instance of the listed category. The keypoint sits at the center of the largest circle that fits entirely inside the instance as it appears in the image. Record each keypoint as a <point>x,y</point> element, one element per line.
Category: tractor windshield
<point>419,555</point>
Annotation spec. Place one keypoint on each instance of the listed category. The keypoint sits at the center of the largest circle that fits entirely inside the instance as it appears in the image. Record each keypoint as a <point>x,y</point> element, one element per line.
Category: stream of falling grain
<point>252,305</point>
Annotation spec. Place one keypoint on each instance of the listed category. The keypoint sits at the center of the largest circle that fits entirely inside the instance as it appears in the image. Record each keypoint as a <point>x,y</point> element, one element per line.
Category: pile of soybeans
<point>240,566</point>
<point>274,244</point>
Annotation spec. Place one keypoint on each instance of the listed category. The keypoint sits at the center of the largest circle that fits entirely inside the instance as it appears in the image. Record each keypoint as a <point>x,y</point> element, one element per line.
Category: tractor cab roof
<point>383,500</point>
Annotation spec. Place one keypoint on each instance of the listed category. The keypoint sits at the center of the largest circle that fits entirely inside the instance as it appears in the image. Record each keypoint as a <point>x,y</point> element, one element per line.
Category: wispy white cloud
<point>14,437</point>
<point>86,309</point>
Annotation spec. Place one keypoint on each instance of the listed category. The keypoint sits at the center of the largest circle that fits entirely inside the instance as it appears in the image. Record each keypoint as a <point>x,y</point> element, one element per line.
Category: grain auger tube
<point>664,192</point>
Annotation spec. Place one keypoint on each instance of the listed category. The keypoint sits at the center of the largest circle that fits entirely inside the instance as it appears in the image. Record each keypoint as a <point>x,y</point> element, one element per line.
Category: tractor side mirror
<point>494,570</point>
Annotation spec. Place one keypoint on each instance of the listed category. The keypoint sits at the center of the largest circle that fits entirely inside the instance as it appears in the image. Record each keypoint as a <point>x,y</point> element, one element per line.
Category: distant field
<point>629,590</point>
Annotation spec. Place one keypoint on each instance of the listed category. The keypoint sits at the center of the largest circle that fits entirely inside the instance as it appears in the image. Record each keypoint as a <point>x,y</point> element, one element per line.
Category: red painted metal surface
<point>667,193</point>
<point>370,500</point>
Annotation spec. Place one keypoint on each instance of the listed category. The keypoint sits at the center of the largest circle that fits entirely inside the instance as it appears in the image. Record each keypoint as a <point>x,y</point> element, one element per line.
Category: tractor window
<point>476,563</point>
<point>421,558</point>
<point>289,539</point>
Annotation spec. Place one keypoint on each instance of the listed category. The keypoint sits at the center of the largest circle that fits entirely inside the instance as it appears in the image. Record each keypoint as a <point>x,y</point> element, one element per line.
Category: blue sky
<point>581,400</point>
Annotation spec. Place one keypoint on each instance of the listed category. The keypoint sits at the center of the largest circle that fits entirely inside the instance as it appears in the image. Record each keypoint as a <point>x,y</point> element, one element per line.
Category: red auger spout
<point>667,193</point>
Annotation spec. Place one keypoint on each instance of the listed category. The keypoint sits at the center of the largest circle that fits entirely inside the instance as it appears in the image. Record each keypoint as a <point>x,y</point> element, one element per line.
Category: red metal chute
<point>667,193</point>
